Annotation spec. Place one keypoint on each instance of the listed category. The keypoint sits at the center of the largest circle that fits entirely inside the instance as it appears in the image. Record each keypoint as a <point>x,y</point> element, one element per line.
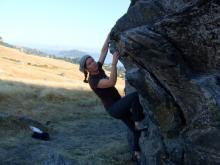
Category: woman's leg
<point>136,133</point>
<point>121,110</point>
<point>122,107</point>
<point>137,109</point>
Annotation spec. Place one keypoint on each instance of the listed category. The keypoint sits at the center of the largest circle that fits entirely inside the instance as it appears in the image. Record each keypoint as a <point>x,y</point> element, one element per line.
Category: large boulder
<point>171,53</point>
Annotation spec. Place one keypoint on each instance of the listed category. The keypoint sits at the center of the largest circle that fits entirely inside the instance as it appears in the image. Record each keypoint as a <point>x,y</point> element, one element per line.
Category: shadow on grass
<point>17,90</point>
<point>81,131</point>
<point>38,101</point>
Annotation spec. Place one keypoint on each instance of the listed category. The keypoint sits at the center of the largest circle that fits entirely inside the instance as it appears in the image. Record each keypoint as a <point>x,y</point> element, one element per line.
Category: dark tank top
<point>108,96</point>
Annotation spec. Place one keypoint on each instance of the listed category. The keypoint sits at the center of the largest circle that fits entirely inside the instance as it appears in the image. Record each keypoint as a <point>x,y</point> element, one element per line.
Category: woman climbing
<point>128,108</point>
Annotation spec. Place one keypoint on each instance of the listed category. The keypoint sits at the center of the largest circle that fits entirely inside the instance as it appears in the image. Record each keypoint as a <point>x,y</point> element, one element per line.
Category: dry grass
<point>20,67</point>
<point>33,82</point>
<point>29,82</point>
<point>52,91</point>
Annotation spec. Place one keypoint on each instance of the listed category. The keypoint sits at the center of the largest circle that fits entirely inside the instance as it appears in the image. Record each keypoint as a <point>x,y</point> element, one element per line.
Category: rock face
<point>171,52</point>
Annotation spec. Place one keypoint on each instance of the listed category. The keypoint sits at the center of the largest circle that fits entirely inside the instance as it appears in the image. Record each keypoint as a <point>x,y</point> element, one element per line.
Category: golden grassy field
<point>20,67</point>
<point>52,92</point>
<point>26,79</point>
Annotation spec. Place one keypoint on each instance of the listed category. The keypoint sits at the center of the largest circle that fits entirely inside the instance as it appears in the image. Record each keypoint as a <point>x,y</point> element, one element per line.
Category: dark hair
<point>85,74</point>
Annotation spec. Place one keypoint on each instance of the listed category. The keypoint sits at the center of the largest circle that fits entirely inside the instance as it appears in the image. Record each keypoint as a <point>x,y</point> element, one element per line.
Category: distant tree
<point>1,39</point>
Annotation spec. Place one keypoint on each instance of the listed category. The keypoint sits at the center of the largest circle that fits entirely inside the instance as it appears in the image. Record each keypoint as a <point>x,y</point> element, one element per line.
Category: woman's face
<point>91,65</point>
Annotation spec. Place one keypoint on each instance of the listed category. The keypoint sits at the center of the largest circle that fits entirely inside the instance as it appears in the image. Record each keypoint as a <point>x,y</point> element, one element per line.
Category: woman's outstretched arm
<point>104,50</point>
<point>106,83</point>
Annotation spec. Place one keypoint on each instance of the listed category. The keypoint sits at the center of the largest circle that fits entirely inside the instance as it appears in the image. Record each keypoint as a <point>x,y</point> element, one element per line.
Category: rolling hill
<point>50,94</point>
<point>19,66</point>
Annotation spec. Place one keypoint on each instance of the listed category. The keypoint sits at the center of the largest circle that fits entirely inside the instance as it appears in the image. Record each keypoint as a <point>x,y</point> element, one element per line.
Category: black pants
<point>128,109</point>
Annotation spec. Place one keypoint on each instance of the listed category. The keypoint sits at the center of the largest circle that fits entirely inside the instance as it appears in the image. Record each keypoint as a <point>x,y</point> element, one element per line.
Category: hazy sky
<point>64,24</point>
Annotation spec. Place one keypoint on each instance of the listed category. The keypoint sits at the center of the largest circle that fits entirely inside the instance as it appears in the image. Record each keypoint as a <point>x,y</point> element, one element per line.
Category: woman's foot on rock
<point>141,125</point>
<point>137,157</point>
